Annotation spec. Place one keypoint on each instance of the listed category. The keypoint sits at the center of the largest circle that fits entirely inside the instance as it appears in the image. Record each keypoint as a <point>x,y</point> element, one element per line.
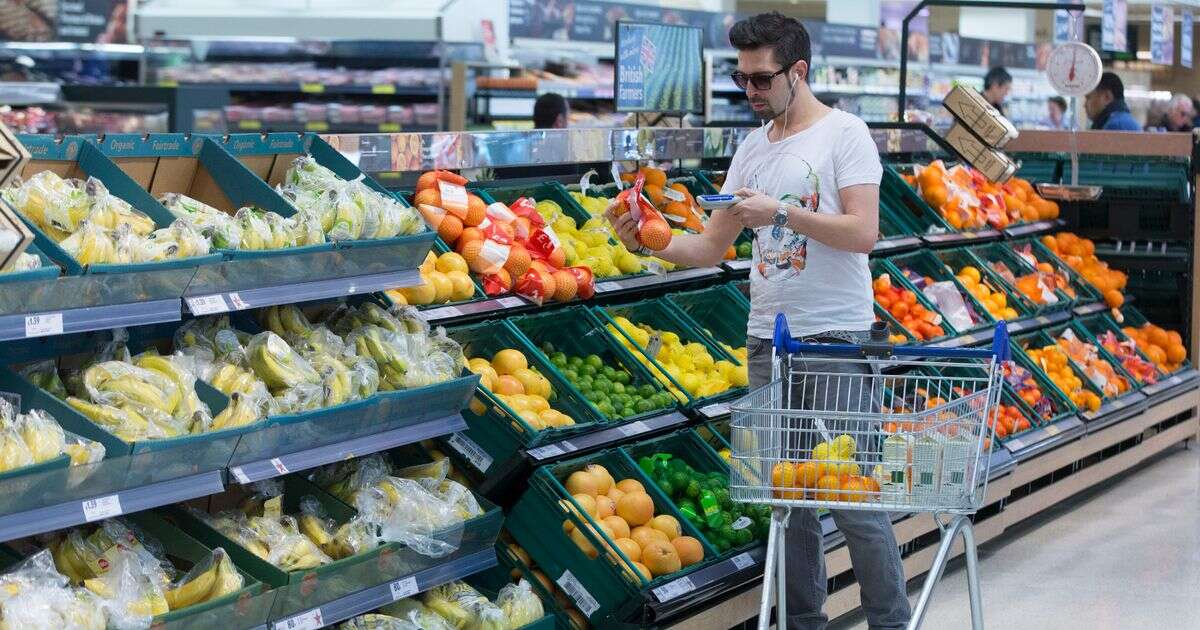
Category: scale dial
<point>1074,69</point>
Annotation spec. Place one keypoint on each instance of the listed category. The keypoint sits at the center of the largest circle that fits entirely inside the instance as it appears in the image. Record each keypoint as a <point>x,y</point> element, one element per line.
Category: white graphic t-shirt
<point>818,287</point>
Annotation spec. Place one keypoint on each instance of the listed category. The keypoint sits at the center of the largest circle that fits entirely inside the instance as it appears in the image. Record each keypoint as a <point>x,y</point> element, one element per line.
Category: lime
<point>558,359</point>
<point>618,388</point>
<point>743,536</point>
<point>594,361</point>
<point>585,379</point>
<point>609,372</point>
<point>588,370</point>
<point>666,485</point>
<point>602,385</point>
<point>605,407</point>
<point>679,479</point>
<point>575,362</point>
<point>643,405</point>
<point>571,375</point>
<point>647,391</point>
<point>623,377</point>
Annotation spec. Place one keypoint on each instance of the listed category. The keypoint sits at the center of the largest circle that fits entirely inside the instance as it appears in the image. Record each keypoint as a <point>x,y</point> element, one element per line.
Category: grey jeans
<point>868,535</point>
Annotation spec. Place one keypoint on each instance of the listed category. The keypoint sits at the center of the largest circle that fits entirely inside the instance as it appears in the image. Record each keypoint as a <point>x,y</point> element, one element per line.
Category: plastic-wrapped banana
<point>277,364</point>
<point>219,228</point>
<point>33,596</point>
<point>25,262</point>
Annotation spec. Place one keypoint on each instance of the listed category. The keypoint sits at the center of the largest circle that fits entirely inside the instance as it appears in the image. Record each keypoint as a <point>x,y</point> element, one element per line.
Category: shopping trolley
<point>909,433</point>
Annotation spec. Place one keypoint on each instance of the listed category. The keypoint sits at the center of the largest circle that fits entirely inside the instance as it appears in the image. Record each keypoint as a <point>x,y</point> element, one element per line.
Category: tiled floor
<point>1124,556</point>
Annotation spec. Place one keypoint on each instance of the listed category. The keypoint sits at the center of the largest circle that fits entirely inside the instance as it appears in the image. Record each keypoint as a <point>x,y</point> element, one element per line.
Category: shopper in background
<point>808,187</point>
<point>997,83</point>
<point>1179,114</point>
<point>1056,112</point>
<point>1196,108</point>
<point>551,111</point>
<point>1106,106</point>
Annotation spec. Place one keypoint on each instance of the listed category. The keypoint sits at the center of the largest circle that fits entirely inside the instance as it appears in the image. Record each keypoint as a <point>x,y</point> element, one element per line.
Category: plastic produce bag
<point>14,453</point>
<point>376,621</point>
<point>412,611</point>
<point>91,245</point>
<point>371,206</point>
<point>337,541</point>
<point>283,230</point>
<point>35,596</point>
<point>364,377</point>
<point>56,205</point>
<point>182,370</point>
<point>44,374</point>
<point>520,605</point>
<point>388,350</point>
<point>349,217</point>
<point>25,262</point>
<point>216,226</point>
<point>277,364</point>
<point>950,303</point>
<point>256,232</point>
<point>42,435</point>
<point>459,604</point>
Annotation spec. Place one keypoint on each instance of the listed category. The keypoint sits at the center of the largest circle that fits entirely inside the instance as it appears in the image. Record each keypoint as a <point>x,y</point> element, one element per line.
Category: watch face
<point>1074,69</point>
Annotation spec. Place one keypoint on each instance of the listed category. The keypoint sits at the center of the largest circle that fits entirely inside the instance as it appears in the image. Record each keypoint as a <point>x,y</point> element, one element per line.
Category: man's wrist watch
<point>781,216</point>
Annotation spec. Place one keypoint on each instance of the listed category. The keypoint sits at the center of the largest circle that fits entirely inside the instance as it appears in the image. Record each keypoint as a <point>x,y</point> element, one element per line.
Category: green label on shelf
<point>168,84</point>
<point>389,127</point>
<point>312,88</point>
<point>252,125</point>
<point>316,125</point>
<point>386,88</point>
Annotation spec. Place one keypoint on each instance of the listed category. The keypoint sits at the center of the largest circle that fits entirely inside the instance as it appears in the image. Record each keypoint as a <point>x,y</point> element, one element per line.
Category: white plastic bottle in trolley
<point>926,466</point>
<point>896,469</point>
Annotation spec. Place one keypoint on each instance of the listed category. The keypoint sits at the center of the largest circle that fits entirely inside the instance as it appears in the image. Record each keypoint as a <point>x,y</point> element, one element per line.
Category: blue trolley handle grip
<point>785,344</point>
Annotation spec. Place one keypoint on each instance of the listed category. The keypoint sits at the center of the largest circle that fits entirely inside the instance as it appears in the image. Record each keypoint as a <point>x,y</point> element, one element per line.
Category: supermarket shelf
<point>582,92</point>
<point>713,411</point>
<point>895,245</point>
<point>202,304</point>
<point>1036,441</point>
<point>75,512</point>
<point>358,447</point>
<point>604,438</point>
<point>389,89</point>
<point>1001,462</point>
<point>700,586</point>
<point>501,306</point>
<point>652,280</point>
<point>1031,229</point>
<point>1041,321</point>
<point>320,126</point>
<point>1113,411</point>
<point>1088,309</point>
<point>1172,385</point>
<point>954,239</point>
<point>369,599</point>
<point>76,320</point>
<point>738,267</point>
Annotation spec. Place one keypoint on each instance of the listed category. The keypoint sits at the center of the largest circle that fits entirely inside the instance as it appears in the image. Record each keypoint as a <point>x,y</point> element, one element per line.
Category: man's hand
<point>755,209</point>
<point>625,225</point>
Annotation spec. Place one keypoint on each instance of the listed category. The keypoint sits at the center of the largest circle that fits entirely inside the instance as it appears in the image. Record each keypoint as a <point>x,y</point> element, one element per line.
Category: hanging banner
<point>1185,38</point>
<point>1162,35</point>
<point>1062,24</point>
<point>93,21</point>
<point>1113,26</point>
<point>595,21</point>
<point>891,20</point>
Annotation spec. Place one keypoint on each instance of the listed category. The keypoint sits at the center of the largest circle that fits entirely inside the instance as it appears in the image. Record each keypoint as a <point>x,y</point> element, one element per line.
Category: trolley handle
<point>784,342</point>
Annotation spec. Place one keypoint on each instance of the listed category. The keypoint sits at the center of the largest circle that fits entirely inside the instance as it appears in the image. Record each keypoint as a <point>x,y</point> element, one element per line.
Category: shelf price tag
<point>237,302</point>
<point>715,409</point>
<point>510,302</point>
<point>43,325</point>
<point>633,428</point>
<point>102,507</point>
<point>472,451</point>
<point>278,465</point>
<point>1052,430</point>
<point>583,599</point>
<point>742,560</point>
<point>308,620</point>
<point>542,452</point>
<point>383,88</point>
<point>312,88</point>
<point>442,313</point>
<point>239,475</point>
<point>404,588</point>
<point>673,589</point>
<point>206,304</point>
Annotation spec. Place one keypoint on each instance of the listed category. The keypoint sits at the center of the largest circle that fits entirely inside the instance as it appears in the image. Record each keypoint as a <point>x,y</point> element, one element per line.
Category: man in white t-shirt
<point>808,184</point>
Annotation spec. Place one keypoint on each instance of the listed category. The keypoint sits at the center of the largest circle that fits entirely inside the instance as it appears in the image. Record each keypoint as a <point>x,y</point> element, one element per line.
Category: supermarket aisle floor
<point>1125,556</point>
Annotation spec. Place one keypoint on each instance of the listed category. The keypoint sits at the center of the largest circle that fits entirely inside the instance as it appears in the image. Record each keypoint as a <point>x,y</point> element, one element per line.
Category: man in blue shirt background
<point>1106,106</point>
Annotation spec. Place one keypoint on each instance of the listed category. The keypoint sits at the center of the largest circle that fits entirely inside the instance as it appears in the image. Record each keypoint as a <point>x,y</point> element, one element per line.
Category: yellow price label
<point>389,127</point>
<point>168,84</point>
<point>250,125</point>
<point>386,88</point>
<point>316,125</point>
<point>312,88</point>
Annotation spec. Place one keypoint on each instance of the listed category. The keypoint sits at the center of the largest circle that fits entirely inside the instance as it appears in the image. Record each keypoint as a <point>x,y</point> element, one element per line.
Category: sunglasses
<point>760,80</point>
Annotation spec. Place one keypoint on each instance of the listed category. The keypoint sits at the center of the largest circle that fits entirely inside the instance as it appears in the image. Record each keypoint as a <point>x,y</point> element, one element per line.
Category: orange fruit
<point>637,508</point>
<point>661,558</point>
<point>565,285</point>
<point>476,210</point>
<point>450,228</point>
<point>806,475</point>
<point>1174,337</point>
<point>629,547</point>
<point>689,549</point>
<point>655,234</point>
<point>557,258</point>
<point>852,489</point>
<point>644,535</point>
<point>580,482</point>
<point>518,260</point>
<point>1113,298</point>
<point>1159,337</point>
<point>605,507</point>
<point>619,527</point>
<point>783,475</point>
<point>654,193</point>
<point>1176,353</point>
<point>667,524</point>
<point>654,176</point>
<point>828,488</point>
<point>429,196</point>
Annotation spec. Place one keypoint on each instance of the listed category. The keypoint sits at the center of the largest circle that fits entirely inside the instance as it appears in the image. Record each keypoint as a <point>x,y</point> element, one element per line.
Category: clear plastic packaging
<point>42,434</point>
<point>35,596</point>
<point>277,364</point>
<point>25,262</point>
<point>256,232</point>
<point>44,374</point>
<point>90,244</point>
<point>14,453</point>
<point>520,605</point>
<point>349,217</point>
<point>219,228</point>
<point>376,621</point>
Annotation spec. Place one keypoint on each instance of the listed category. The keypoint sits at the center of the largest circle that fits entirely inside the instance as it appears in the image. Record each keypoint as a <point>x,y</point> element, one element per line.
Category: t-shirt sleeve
<point>856,158</point>
<point>733,176</point>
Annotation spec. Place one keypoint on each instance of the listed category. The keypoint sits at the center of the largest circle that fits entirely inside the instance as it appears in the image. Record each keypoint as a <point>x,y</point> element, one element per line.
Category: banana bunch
<point>285,320</point>
<point>276,539</point>
<point>375,621</point>
<point>347,210</point>
<point>344,375</point>
<point>24,262</point>
<point>91,244</point>
<point>33,596</point>
<point>277,364</point>
<point>389,352</point>
<point>153,398</point>
<point>34,437</point>
<point>337,541</point>
<point>212,579</point>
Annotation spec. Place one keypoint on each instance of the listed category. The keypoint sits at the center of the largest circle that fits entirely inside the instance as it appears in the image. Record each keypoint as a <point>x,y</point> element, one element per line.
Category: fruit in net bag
<point>653,230</point>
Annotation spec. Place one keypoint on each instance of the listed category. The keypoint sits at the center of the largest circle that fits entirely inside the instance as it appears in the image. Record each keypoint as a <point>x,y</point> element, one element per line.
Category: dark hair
<point>547,109</point>
<point>1112,84</point>
<point>1060,101</point>
<point>786,36</point>
<point>996,76</point>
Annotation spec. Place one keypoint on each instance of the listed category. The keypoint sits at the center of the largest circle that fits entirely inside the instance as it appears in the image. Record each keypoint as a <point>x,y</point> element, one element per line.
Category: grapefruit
<point>643,571</point>
<point>643,535</point>
<point>580,482</point>
<point>583,543</point>
<point>614,493</point>
<point>637,508</point>
<point>587,502</point>
<point>619,527</point>
<point>462,287</point>
<point>630,485</point>
<point>689,550</point>
<point>603,477</point>
<point>667,524</point>
<point>661,558</point>
<point>443,288</point>
<point>507,385</point>
<point>631,549</point>
<point>529,380</point>
<point>508,361</point>
<point>605,506</point>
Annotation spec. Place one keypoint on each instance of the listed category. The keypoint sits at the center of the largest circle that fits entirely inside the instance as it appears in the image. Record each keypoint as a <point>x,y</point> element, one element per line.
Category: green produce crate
<point>1056,408</point>
<point>490,581</point>
<point>715,433</point>
<point>740,290</point>
<point>17,284</point>
<point>1084,291</point>
<point>880,267</point>
<point>535,524</point>
<point>924,263</point>
<point>715,179</point>
<point>660,315</point>
<point>439,248</point>
<point>1083,334</point>
<point>1136,178</point>
<point>687,446</point>
<point>1133,317</point>
<point>720,312</point>
<point>575,332</point>
<point>958,258</point>
<point>903,201</point>
<point>1100,323</point>
<point>1040,167</point>
<point>1039,339</point>
<point>992,253</point>
<point>893,224</point>
<point>492,424</point>
<point>37,484</point>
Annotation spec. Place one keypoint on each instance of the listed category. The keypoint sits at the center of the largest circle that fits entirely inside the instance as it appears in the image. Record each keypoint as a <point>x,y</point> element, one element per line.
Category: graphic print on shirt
<point>781,253</point>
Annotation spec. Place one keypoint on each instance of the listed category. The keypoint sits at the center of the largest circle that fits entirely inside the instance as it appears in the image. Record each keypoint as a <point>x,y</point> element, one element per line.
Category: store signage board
<point>1185,38</point>
<point>595,20</point>
<point>660,68</point>
<point>1112,26</point>
<point>1162,34</point>
<point>93,21</point>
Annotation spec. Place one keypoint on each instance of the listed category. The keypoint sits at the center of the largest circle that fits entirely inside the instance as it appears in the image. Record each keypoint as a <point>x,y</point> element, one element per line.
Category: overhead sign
<point>1185,38</point>
<point>595,21</point>
<point>1113,26</point>
<point>660,68</point>
<point>1162,34</point>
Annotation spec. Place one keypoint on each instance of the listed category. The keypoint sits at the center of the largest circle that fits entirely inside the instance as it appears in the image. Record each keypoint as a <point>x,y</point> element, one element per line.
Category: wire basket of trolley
<point>909,433</point>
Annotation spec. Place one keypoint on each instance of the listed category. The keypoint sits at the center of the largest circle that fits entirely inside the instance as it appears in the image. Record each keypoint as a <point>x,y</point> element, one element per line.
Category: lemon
<point>684,362</point>
<point>703,361</point>
<point>725,368</point>
<point>740,376</point>
<point>451,261</point>
<point>508,361</point>
<point>821,451</point>
<point>421,294</point>
<point>396,296</point>
<point>464,289</point>
<point>691,382</point>
<point>628,263</point>
<point>670,337</point>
